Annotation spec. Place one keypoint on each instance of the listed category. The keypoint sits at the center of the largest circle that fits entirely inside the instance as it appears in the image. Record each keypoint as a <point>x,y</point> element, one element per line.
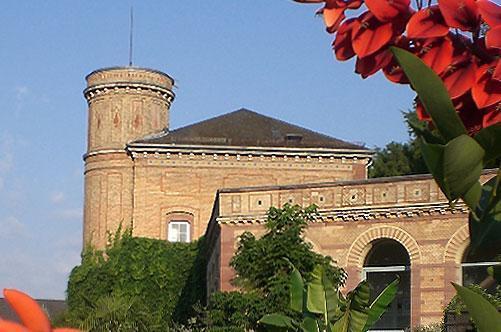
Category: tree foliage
<point>262,267</point>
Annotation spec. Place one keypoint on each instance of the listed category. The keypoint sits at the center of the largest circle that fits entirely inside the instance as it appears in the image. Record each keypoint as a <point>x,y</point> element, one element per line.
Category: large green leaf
<point>355,315</point>
<point>278,321</point>
<point>485,229</point>
<point>381,303</point>
<point>432,93</point>
<point>490,139</point>
<point>456,167</point>
<point>296,291</point>
<point>485,316</point>
<point>463,166</point>
<point>322,297</point>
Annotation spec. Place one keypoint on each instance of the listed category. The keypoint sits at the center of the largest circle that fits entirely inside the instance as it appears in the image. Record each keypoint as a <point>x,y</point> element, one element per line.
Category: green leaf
<point>278,320</point>
<point>355,315</point>
<point>296,290</point>
<point>490,139</point>
<point>432,93</point>
<point>381,303</point>
<point>485,316</point>
<point>309,324</point>
<point>456,167</point>
<point>316,293</point>
<point>463,166</point>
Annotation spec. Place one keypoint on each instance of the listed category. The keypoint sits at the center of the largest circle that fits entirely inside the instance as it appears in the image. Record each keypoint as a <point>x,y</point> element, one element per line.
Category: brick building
<point>173,185</point>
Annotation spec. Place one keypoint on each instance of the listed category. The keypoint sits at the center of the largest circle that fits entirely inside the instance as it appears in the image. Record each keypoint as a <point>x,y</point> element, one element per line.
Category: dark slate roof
<point>53,308</point>
<point>247,128</point>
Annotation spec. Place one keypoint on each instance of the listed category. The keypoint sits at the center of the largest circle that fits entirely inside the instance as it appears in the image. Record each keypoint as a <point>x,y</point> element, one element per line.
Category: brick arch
<point>455,247</point>
<point>360,247</point>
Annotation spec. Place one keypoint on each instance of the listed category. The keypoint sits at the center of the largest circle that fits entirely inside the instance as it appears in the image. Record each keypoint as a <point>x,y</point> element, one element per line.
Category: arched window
<point>474,269</point>
<point>386,260</point>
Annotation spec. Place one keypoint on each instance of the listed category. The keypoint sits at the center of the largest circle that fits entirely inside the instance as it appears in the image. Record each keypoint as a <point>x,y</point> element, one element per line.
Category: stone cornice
<point>366,213</point>
<point>129,87</point>
<point>139,149</point>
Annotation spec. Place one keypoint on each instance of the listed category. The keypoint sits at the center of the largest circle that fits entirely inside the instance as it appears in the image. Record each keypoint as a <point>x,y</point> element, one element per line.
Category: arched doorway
<point>386,260</point>
<point>474,268</point>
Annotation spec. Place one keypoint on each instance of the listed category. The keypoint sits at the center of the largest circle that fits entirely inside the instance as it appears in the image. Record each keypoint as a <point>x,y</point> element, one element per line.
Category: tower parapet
<point>126,103</point>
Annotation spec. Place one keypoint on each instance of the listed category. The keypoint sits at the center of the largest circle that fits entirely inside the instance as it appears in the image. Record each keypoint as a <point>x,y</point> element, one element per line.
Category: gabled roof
<point>249,129</point>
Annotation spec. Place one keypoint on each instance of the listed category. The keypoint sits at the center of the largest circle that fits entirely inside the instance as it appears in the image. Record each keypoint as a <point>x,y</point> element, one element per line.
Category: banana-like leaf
<point>321,294</point>
<point>485,316</point>
<point>309,324</point>
<point>279,321</point>
<point>490,139</point>
<point>381,303</point>
<point>432,93</point>
<point>356,313</point>
<point>296,290</point>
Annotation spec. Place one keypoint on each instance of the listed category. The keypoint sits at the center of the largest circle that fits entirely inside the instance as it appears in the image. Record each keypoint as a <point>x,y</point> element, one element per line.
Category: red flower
<point>386,10</point>
<point>437,54</point>
<point>486,91</point>
<point>490,12</point>
<point>371,35</point>
<point>493,37</point>
<point>369,65</point>
<point>470,115</point>
<point>461,14</point>
<point>333,12</point>
<point>427,23</point>
<point>458,79</point>
<point>342,43</point>
<point>32,317</point>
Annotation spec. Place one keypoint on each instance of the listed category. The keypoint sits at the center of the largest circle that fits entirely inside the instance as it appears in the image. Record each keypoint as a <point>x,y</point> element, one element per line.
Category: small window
<point>179,231</point>
<point>474,269</point>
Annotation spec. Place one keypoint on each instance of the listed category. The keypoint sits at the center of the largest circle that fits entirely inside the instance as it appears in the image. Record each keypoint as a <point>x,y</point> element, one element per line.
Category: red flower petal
<point>492,115</point>
<point>427,23</point>
<point>349,4</point>
<point>28,311</point>
<point>486,91</point>
<point>371,64</point>
<point>461,14</point>
<point>371,35</point>
<point>458,80</point>
<point>342,43</point>
<point>437,54</point>
<point>6,326</point>
<point>490,12</point>
<point>333,16</point>
<point>493,37</point>
<point>386,10</point>
<point>496,75</point>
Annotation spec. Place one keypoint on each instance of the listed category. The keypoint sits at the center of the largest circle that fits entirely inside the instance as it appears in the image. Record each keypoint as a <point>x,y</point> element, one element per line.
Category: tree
<point>263,267</point>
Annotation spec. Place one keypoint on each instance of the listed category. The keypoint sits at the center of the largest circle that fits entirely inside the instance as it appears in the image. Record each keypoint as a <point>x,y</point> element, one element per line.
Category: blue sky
<point>273,57</point>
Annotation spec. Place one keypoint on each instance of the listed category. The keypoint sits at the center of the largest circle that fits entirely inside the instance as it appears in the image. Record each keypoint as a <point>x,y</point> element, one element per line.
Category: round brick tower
<point>125,104</point>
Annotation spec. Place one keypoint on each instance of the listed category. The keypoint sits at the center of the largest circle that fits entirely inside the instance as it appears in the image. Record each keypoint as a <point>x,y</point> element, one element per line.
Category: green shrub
<point>164,277</point>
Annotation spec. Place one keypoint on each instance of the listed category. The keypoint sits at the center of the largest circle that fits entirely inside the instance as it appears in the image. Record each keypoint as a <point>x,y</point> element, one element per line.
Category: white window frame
<point>179,222</point>
<point>394,268</point>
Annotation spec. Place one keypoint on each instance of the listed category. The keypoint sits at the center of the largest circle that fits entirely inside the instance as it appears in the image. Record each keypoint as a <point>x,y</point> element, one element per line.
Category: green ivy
<point>166,278</point>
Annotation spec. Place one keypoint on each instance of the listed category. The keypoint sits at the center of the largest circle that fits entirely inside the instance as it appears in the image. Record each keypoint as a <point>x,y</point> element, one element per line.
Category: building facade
<point>218,177</point>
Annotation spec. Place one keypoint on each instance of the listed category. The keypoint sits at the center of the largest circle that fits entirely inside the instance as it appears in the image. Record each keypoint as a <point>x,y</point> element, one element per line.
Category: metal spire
<point>131,34</point>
